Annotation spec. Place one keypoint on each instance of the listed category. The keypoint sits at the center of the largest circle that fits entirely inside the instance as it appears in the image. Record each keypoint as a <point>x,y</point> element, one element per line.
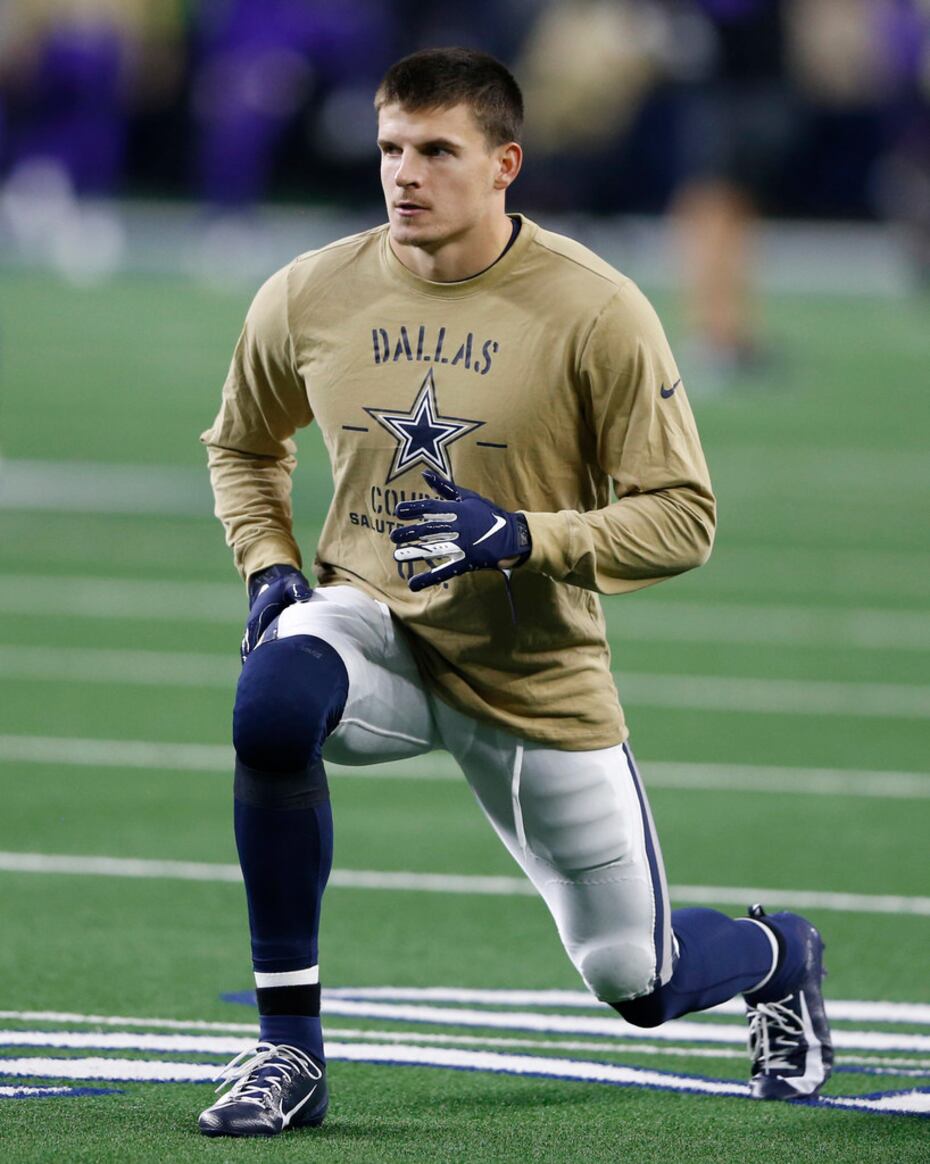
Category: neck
<point>458,258</point>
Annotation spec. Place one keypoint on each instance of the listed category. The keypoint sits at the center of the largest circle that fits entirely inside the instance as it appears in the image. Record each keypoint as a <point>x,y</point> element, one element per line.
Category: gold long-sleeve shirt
<point>545,383</point>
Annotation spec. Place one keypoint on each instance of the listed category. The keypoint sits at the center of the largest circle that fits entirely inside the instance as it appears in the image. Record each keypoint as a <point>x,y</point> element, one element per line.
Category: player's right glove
<point>270,591</point>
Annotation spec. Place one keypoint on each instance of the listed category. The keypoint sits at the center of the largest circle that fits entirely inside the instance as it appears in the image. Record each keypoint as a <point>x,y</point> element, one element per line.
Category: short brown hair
<point>443,77</point>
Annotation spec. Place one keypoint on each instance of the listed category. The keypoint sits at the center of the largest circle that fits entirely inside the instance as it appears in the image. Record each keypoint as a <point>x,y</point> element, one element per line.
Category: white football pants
<point>578,823</point>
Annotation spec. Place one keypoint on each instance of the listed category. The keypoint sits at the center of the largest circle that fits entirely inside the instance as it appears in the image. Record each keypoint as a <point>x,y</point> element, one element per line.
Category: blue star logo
<point>423,436</point>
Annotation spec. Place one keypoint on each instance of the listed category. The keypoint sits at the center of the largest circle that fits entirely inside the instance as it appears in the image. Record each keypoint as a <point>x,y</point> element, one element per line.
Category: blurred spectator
<point>738,121</point>
<point>903,188</point>
<point>259,63</point>
<point>735,107</point>
<point>72,70</point>
<point>588,68</point>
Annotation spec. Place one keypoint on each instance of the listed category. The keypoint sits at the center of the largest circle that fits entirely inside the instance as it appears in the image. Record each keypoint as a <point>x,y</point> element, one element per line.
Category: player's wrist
<point>523,540</point>
<point>268,574</point>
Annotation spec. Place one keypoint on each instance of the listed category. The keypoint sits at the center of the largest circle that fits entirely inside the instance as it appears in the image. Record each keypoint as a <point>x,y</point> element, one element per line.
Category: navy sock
<point>297,1030</point>
<point>718,957</point>
<point>286,856</point>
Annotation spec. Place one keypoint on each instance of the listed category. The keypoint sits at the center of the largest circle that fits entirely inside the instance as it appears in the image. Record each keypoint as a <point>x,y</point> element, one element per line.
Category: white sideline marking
<point>129,598</point>
<point>22,1092</point>
<point>857,1010</point>
<point>854,1010</point>
<point>678,1030</point>
<point>98,487</point>
<point>774,696</point>
<point>215,1045</point>
<point>149,755</point>
<point>912,1102</point>
<point>121,1070</point>
<point>101,665</point>
<point>498,886</point>
<point>646,620</point>
<point>114,1020</point>
<point>638,689</point>
<point>89,753</point>
<point>200,1044</point>
<point>125,1041</point>
<point>862,628</point>
<point>232,1046</point>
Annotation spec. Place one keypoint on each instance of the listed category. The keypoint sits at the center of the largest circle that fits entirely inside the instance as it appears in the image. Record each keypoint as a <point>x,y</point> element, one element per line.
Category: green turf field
<point>778,699</point>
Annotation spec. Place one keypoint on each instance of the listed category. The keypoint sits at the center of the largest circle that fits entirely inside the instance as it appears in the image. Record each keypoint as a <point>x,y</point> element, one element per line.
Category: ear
<point>509,162</point>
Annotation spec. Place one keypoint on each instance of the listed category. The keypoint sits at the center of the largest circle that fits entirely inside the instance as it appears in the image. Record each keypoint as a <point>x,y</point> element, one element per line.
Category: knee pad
<point>618,970</point>
<point>291,695</point>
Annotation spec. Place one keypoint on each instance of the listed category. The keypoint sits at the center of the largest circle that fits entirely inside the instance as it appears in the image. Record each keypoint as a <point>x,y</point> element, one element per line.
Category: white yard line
<point>774,696</point>
<point>773,625</point>
<point>205,1045</point>
<point>643,619</point>
<point>72,596</point>
<point>606,1026</point>
<point>855,1010</point>
<point>96,487</point>
<point>89,753</point>
<point>100,665</point>
<point>638,689</point>
<point>497,886</point>
<point>841,1010</point>
<point>913,1102</point>
<point>122,1020</point>
<point>72,751</point>
<point>32,1092</point>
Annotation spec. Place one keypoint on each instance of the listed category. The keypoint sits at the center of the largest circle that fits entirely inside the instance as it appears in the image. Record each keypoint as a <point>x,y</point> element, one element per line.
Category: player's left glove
<point>270,591</point>
<point>465,530</point>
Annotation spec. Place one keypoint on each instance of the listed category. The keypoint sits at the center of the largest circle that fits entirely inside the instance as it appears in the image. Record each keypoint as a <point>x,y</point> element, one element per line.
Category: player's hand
<point>464,531</point>
<point>270,591</point>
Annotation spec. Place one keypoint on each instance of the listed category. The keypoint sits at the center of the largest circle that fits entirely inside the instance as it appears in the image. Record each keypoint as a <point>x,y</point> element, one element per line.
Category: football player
<point>482,386</point>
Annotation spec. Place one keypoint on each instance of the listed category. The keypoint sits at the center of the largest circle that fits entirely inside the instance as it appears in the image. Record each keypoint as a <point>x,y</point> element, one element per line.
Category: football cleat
<point>272,1088</point>
<point>789,1036</point>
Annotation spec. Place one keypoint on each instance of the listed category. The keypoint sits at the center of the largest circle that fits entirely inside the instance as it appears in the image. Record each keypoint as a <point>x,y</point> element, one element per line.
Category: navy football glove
<point>464,529</point>
<point>270,591</point>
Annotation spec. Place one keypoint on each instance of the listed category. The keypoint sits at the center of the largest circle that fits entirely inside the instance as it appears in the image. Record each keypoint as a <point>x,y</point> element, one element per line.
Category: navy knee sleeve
<point>291,695</point>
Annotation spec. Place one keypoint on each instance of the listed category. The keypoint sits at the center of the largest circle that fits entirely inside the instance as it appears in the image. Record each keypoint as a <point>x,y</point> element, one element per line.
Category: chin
<point>409,235</point>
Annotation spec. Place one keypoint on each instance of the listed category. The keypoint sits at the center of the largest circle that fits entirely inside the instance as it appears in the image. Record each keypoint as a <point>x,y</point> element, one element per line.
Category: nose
<point>407,172</point>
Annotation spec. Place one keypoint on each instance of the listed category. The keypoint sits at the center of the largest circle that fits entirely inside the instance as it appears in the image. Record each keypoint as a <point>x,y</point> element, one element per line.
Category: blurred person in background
<point>258,65</point>
<point>738,119</point>
<point>589,68</point>
<point>72,71</point>
<point>904,178</point>
<point>264,72</point>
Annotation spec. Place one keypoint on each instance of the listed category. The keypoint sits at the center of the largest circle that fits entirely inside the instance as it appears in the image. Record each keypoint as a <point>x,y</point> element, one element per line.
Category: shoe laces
<point>775,1033</point>
<point>254,1076</point>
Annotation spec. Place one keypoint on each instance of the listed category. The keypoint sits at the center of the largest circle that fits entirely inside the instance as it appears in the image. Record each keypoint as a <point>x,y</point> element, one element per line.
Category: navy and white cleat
<point>789,1036</point>
<point>273,1088</point>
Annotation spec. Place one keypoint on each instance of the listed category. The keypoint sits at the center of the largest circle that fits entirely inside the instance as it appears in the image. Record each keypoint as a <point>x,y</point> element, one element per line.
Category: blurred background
<point>711,110</point>
<point>762,169</point>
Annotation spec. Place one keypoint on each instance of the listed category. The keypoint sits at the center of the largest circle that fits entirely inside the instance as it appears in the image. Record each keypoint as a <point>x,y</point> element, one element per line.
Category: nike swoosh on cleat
<point>499,523</point>
<point>665,393</point>
<point>296,1108</point>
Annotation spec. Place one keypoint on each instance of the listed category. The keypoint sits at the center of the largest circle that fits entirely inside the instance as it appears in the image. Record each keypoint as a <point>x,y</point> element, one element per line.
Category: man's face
<point>439,174</point>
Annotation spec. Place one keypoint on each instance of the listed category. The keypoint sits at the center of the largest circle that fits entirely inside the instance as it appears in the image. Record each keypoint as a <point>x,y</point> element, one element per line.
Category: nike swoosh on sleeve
<point>665,393</point>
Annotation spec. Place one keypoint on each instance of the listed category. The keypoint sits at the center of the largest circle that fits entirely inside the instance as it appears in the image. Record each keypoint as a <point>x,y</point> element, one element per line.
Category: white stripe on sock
<point>308,977</point>
<point>773,942</point>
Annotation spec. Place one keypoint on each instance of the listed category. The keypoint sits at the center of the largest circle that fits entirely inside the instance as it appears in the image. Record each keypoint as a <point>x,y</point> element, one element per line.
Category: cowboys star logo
<point>423,436</point>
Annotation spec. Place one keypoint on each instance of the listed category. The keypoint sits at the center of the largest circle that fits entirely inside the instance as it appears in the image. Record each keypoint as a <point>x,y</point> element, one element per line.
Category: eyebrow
<point>433,143</point>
